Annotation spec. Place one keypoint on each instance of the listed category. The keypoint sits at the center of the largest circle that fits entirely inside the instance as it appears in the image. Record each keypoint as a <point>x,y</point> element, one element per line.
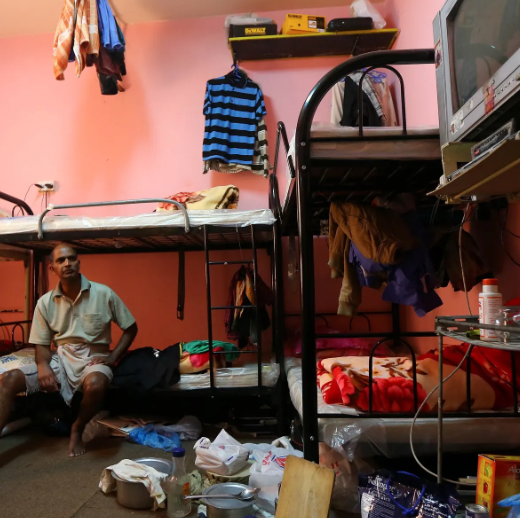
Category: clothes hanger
<point>377,77</point>
<point>236,74</point>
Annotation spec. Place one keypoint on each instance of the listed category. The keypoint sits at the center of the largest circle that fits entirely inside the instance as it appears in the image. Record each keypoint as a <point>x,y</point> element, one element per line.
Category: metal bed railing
<point>305,216</point>
<point>17,325</point>
<point>17,203</point>
<point>275,262</point>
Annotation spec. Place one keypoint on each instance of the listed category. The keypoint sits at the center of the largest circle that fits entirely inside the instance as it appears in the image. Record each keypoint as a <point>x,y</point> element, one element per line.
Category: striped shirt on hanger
<point>232,113</point>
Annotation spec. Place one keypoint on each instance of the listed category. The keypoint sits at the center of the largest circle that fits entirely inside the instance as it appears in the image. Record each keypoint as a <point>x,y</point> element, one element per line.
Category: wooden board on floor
<point>306,490</point>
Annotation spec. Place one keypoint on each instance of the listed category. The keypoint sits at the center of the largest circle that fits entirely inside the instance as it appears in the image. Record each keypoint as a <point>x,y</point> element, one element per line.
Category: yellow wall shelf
<point>312,45</point>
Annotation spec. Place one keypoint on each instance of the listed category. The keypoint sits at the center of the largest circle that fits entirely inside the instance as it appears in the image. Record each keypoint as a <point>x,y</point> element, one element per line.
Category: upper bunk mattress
<point>330,141</point>
<point>197,218</point>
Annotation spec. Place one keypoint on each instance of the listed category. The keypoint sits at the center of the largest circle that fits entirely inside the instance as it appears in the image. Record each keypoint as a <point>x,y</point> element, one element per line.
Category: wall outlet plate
<point>45,185</point>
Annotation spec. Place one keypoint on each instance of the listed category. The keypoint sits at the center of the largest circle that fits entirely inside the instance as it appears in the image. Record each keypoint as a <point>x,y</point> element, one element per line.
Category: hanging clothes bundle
<point>378,107</point>
<point>88,35</point>
<point>235,137</point>
<point>241,322</point>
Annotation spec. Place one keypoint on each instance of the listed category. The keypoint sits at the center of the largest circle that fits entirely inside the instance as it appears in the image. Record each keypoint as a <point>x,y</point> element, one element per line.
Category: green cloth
<point>202,346</point>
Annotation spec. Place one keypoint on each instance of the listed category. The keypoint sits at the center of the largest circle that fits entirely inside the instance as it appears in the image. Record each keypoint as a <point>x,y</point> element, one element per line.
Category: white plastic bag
<point>365,9</point>
<point>224,456</point>
<point>267,472</point>
<point>245,19</point>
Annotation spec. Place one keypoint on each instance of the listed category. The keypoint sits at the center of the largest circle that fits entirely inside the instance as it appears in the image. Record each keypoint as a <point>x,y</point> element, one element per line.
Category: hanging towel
<point>63,39</point>
<point>77,29</point>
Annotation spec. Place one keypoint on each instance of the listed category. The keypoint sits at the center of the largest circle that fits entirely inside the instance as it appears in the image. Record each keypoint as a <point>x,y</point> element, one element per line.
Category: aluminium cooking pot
<point>134,495</point>
<point>227,508</point>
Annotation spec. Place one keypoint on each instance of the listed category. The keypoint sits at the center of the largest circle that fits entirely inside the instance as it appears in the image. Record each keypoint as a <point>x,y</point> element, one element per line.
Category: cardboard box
<point>303,24</point>
<point>241,31</point>
<point>498,478</point>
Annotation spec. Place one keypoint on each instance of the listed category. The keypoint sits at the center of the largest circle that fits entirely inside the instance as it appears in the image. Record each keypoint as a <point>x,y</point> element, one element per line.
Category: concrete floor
<point>39,480</point>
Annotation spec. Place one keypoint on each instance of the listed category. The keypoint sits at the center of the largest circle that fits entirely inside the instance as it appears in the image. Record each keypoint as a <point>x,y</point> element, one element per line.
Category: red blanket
<point>344,381</point>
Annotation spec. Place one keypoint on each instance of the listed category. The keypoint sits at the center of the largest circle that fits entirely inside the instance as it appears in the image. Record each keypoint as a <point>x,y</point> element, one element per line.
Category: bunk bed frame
<point>151,239</point>
<point>316,180</point>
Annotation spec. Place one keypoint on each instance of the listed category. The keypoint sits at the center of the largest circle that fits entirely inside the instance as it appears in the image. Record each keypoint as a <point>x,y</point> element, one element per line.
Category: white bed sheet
<point>246,376</point>
<point>197,218</point>
<point>365,437</point>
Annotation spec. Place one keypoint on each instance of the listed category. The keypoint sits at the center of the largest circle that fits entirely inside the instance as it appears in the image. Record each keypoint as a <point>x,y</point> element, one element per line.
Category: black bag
<point>144,369</point>
<point>350,24</point>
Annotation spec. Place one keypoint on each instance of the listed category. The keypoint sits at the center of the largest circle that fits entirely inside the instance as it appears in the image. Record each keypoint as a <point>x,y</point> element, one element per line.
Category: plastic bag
<point>403,494</point>
<point>245,19</point>
<point>514,503</point>
<point>365,9</point>
<point>267,472</point>
<point>189,428</point>
<point>224,456</point>
<point>152,436</point>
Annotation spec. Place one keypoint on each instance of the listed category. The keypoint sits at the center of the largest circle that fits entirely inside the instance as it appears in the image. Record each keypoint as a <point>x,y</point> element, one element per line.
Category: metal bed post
<point>209,309</point>
<point>36,279</point>
<point>256,308</point>
<point>396,323</point>
<point>21,204</point>
<point>277,287</point>
<point>307,300</point>
<point>439,414</point>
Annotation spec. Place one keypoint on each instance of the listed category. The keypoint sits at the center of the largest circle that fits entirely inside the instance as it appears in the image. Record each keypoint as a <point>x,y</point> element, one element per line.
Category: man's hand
<point>47,379</point>
<point>102,360</point>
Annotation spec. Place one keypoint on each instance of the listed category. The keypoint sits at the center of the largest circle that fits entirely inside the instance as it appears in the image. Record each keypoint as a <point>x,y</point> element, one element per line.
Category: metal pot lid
<point>231,488</point>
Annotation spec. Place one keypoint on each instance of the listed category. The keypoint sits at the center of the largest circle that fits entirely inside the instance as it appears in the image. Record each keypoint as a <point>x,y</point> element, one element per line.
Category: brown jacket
<point>380,235</point>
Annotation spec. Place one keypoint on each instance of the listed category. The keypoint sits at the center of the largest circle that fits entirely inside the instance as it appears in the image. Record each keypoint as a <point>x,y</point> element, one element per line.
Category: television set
<point>477,61</point>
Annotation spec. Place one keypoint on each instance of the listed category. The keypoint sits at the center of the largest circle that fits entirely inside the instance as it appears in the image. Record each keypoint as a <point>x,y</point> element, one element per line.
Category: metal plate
<point>231,488</point>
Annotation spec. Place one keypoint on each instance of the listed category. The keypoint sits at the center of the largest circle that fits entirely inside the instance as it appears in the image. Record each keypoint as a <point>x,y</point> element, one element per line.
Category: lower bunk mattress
<point>228,377</point>
<point>363,437</point>
<point>245,376</point>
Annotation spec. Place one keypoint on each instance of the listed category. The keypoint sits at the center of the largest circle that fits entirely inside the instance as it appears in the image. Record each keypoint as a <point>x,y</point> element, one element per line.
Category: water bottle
<point>178,486</point>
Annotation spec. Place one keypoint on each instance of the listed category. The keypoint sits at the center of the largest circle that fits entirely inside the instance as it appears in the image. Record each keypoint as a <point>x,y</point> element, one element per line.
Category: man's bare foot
<point>76,446</point>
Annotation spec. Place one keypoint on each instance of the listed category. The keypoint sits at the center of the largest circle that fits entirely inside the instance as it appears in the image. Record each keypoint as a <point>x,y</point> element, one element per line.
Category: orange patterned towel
<point>79,23</point>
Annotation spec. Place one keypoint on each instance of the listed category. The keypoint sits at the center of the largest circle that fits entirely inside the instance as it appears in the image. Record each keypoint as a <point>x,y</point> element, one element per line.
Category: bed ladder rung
<point>230,262</point>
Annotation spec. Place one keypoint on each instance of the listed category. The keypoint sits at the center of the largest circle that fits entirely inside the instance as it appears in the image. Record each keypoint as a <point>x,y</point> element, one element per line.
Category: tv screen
<point>483,35</point>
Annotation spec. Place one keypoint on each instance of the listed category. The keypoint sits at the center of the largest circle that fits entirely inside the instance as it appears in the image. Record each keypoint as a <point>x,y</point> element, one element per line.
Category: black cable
<point>20,209</point>
<point>504,229</point>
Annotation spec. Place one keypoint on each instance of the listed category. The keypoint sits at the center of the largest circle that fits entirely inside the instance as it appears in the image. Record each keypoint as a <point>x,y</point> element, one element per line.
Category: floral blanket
<point>344,381</point>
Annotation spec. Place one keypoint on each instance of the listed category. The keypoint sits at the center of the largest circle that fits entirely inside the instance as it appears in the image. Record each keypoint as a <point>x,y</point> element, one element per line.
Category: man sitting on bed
<point>77,316</point>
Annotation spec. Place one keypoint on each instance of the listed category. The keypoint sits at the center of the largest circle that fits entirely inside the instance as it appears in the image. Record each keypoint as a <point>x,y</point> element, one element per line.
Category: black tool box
<point>241,31</point>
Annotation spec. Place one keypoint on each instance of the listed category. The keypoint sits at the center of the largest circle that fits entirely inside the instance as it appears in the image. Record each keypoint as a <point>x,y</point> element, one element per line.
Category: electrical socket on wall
<point>45,185</point>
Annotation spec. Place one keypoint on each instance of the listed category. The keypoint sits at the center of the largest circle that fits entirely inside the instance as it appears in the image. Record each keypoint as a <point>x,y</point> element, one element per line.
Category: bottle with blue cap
<point>178,486</point>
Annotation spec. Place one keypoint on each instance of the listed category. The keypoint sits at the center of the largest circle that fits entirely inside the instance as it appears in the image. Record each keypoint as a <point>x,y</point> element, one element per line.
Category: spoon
<point>245,495</point>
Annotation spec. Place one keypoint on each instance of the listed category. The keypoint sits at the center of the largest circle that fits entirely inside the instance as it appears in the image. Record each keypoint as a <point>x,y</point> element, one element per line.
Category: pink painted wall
<point>415,19</point>
<point>146,142</point>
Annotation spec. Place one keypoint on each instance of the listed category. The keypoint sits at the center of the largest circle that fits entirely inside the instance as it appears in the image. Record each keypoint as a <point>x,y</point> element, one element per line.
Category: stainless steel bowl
<point>227,508</point>
<point>134,495</point>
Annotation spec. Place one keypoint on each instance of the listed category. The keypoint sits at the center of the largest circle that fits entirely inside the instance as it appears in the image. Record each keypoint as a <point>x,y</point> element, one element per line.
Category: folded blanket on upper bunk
<point>222,197</point>
<point>345,381</point>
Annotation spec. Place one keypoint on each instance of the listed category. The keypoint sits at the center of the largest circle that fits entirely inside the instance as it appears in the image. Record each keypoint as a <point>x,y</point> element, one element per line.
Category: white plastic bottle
<point>489,304</point>
<point>178,485</point>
